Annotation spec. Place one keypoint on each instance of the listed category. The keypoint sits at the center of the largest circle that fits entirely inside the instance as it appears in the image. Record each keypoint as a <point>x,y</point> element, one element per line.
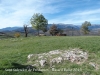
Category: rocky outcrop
<point>57,56</point>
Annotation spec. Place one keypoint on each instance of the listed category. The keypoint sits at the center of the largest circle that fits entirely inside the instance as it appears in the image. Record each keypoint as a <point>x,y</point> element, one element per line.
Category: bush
<point>17,35</point>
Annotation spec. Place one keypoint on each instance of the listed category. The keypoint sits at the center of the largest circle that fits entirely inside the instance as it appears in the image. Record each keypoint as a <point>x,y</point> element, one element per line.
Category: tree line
<point>39,22</point>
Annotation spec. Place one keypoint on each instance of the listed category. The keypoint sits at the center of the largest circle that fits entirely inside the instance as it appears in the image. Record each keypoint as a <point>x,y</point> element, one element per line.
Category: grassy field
<point>14,52</point>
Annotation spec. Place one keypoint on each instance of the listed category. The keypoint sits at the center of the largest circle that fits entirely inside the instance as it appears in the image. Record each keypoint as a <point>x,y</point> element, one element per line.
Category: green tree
<point>53,30</point>
<point>84,27</point>
<point>44,30</point>
<point>38,22</point>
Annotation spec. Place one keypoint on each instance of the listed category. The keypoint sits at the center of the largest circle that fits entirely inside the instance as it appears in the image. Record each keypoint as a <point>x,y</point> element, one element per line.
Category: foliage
<point>53,30</point>
<point>44,29</point>
<point>39,22</point>
<point>17,35</point>
<point>84,27</point>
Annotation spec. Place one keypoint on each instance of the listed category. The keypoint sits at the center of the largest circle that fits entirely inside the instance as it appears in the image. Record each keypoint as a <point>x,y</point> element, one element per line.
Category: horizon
<point>17,13</point>
<point>52,24</point>
<point>31,26</point>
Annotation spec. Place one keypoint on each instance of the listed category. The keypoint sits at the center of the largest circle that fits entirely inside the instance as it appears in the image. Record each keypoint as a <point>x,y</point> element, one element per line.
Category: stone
<point>35,65</point>
<point>40,57</point>
<point>56,60</point>
<point>29,56</point>
<point>59,59</point>
<point>55,52</point>
<point>58,56</point>
<point>94,65</point>
<point>42,63</point>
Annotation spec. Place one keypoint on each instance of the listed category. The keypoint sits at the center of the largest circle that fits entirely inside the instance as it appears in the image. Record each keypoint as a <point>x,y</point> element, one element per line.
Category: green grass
<point>16,50</point>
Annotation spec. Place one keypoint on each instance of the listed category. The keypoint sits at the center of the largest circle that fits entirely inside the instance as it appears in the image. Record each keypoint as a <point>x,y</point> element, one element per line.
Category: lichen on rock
<point>58,56</point>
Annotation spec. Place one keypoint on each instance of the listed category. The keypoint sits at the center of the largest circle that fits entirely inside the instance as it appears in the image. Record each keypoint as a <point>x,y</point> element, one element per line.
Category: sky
<point>19,12</point>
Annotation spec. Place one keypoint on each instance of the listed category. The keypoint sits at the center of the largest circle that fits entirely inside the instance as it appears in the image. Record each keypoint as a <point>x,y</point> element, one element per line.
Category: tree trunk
<point>25,34</point>
<point>38,32</point>
<point>26,30</point>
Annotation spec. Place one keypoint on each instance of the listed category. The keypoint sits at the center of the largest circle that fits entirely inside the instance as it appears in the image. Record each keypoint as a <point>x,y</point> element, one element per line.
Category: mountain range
<point>60,26</point>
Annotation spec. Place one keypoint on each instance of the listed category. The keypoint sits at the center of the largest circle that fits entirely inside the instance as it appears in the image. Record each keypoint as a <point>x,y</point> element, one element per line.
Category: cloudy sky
<point>19,12</point>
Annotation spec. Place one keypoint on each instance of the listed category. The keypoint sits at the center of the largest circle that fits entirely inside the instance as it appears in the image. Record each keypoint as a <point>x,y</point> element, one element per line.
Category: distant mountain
<point>94,26</point>
<point>60,26</point>
<point>9,29</point>
<point>65,26</point>
<point>16,29</point>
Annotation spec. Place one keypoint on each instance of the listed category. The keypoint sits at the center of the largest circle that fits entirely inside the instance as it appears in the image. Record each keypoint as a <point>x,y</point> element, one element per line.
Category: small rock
<point>94,65</point>
<point>59,60</point>
<point>40,57</point>
<point>29,56</point>
<point>56,60</point>
<point>55,52</point>
<point>42,63</point>
<point>36,65</point>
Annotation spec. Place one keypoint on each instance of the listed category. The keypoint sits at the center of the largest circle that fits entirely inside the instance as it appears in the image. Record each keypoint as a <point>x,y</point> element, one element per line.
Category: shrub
<point>17,35</point>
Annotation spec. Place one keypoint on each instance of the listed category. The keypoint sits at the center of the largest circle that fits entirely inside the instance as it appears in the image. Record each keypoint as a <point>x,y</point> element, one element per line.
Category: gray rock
<point>96,66</point>
<point>57,56</point>
<point>42,63</point>
<point>29,56</point>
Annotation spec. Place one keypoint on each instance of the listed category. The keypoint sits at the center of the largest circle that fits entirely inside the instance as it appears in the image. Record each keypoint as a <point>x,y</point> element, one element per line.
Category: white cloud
<point>19,12</point>
<point>86,12</point>
<point>79,17</point>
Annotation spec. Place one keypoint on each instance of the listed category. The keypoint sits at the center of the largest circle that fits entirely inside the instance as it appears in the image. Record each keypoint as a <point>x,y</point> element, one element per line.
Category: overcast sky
<point>19,12</point>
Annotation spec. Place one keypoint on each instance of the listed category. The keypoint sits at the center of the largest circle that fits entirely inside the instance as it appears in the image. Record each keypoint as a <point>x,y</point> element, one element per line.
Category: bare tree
<point>26,30</point>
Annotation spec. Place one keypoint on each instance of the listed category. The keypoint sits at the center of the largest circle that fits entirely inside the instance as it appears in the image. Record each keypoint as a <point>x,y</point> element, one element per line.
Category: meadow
<point>14,52</point>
